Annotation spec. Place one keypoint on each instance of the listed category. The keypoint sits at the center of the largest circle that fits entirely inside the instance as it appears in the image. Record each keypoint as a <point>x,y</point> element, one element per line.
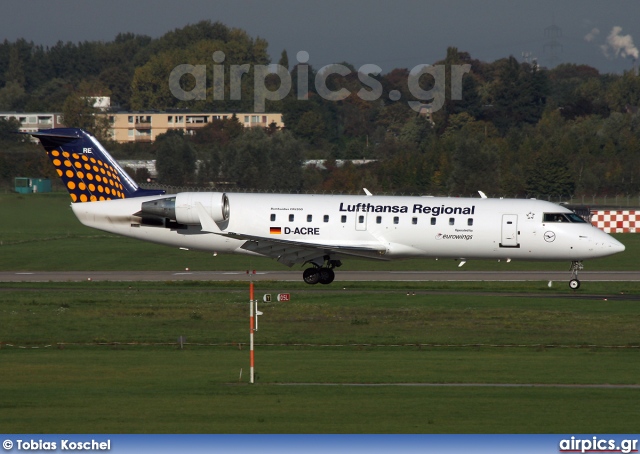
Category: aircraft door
<point>509,231</point>
<point>361,220</point>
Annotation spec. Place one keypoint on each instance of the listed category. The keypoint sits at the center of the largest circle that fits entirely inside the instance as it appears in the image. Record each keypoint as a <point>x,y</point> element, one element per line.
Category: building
<point>34,121</point>
<point>26,185</point>
<point>146,126</point>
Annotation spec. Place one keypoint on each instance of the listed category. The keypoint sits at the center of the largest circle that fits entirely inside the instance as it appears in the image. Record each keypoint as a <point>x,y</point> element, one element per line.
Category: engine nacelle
<point>182,207</point>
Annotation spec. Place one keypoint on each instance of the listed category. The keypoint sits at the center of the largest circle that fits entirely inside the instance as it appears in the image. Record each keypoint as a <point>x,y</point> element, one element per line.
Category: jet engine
<point>182,207</point>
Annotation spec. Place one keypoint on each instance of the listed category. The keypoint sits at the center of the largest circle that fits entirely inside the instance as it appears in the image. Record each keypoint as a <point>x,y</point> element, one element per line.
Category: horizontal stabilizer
<point>60,133</point>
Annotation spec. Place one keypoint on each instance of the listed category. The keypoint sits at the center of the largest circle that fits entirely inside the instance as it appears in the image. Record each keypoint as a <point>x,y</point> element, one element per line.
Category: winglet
<point>482,195</point>
<point>366,191</point>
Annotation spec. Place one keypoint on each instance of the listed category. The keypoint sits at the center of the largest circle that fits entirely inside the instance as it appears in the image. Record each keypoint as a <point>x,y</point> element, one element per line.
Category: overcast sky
<point>388,33</point>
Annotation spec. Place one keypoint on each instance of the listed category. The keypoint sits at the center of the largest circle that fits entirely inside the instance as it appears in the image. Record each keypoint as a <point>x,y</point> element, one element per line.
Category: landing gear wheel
<point>576,266</point>
<point>326,275</point>
<point>311,276</point>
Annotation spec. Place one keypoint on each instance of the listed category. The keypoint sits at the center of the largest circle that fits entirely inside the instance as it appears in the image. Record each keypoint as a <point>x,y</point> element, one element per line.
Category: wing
<point>290,252</point>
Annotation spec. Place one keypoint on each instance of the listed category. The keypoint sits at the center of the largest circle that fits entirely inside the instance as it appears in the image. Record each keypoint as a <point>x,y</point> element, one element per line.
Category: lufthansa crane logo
<point>549,237</point>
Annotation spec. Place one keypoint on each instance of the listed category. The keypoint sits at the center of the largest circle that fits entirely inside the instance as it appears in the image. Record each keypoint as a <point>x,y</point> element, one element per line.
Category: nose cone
<point>603,244</point>
<point>615,246</point>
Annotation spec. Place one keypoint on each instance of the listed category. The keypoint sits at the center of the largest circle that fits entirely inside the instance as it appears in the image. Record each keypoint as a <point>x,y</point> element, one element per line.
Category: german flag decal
<point>275,230</point>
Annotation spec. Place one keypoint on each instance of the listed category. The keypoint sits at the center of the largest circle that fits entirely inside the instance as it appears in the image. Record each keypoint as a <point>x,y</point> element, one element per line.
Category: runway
<point>465,385</point>
<point>341,276</point>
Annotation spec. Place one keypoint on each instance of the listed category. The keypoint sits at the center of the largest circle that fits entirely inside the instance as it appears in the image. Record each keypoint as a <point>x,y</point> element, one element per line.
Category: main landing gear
<point>321,274</point>
<point>576,266</point>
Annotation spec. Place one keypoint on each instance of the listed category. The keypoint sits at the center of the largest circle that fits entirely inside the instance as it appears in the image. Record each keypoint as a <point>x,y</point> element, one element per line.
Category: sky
<point>388,33</point>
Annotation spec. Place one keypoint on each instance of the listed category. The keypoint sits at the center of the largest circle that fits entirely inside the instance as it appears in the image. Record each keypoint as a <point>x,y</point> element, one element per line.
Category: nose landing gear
<point>576,266</point>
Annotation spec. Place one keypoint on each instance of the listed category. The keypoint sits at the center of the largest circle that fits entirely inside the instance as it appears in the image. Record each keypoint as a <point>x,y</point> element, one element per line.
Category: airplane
<point>319,230</point>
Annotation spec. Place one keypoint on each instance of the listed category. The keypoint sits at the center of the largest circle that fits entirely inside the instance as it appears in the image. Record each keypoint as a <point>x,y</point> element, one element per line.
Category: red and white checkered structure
<point>616,221</point>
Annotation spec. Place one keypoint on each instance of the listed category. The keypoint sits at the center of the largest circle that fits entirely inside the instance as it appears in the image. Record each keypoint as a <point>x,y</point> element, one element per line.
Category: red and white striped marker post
<point>251,330</point>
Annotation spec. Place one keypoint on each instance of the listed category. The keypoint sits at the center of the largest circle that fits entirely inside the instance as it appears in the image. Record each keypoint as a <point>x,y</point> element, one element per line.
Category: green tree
<point>50,96</point>
<point>549,176</point>
<point>286,161</point>
<point>8,130</point>
<point>418,130</point>
<point>12,96</point>
<point>150,84</point>
<point>246,160</point>
<point>255,160</point>
<point>393,117</point>
<point>182,38</point>
<point>518,95</point>
<point>471,103</point>
<point>476,166</point>
<point>574,90</point>
<point>15,72</point>
<point>348,179</point>
<point>311,126</point>
<point>175,159</point>
<point>78,111</point>
<point>624,92</point>
<point>219,132</point>
<point>314,120</point>
<point>284,60</point>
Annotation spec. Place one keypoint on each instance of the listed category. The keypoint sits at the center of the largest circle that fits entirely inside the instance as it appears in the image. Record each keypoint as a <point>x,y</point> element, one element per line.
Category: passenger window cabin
<point>547,217</point>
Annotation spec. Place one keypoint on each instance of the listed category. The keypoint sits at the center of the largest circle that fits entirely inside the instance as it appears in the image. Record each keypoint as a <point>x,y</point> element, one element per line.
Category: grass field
<point>170,391</point>
<point>96,357</point>
<point>107,360</point>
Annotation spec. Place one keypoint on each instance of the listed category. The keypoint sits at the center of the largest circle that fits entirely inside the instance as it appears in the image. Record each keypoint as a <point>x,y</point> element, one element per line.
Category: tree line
<point>518,129</point>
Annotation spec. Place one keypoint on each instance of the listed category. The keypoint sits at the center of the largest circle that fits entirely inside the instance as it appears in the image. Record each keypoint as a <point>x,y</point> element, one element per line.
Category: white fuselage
<point>398,227</point>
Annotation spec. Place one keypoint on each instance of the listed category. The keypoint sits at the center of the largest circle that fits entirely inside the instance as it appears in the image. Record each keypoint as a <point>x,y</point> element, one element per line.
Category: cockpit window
<point>563,217</point>
<point>575,218</point>
<point>554,217</point>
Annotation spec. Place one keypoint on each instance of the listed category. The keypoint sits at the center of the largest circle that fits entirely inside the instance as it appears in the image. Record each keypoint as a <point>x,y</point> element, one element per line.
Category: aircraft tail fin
<point>86,168</point>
